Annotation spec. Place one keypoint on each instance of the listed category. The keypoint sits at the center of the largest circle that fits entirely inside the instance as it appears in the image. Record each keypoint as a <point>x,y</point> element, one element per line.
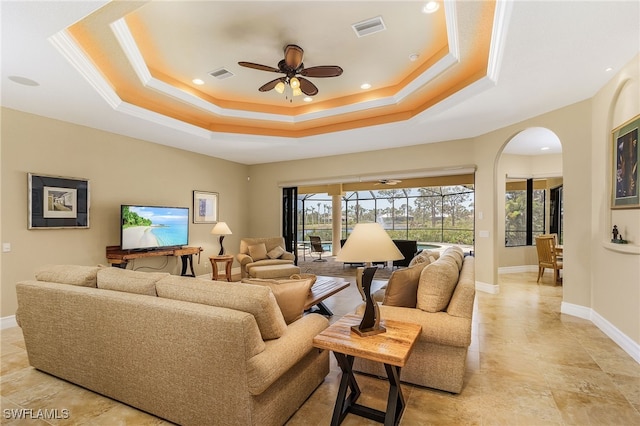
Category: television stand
<point>120,258</point>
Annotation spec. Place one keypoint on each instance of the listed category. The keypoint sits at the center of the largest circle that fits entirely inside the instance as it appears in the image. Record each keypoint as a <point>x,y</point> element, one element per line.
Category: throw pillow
<point>85,276</point>
<point>456,253</point>
<point>129,281</point>
<point>258,251</point>
<point>431,255</point>
<point>402,288</point>
<point>291,295</point>
<point>275,253</point>
<point>436,285</point>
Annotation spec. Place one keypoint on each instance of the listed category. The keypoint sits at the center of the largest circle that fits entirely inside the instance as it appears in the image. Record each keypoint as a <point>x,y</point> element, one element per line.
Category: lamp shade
<point>221,228</point>
<point>369,242</point>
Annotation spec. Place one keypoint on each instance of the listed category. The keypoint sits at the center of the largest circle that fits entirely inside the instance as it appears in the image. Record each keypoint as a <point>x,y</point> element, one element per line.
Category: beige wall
<point>615,276</point>
<point>120,170</point>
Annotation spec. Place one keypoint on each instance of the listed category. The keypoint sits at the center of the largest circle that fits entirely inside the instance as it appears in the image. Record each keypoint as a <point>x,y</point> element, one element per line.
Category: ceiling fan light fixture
<point>297,91</point>
<point>294,83</point>
<point>279,87</point>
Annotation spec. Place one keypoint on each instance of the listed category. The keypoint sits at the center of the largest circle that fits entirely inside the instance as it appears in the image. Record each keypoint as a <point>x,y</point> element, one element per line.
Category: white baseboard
<point>575,310</point>
<point>621,339</point>
<point>8,322</point>
<point>487,288</point>
<point>517,269</point>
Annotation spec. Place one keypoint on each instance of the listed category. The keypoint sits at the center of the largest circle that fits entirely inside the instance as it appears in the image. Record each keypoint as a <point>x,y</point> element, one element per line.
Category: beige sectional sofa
<point>268,255</point>
<point>194,352</point>
<point>437,292</point>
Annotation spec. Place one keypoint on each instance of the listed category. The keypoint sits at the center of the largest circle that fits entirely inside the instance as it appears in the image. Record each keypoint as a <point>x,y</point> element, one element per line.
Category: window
<point>426,214</point>
<point>524,211</point>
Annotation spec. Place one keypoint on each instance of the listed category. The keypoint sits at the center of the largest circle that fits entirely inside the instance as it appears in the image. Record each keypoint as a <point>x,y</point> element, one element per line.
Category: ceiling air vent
<point>221,74</point>
<point>369,26</point>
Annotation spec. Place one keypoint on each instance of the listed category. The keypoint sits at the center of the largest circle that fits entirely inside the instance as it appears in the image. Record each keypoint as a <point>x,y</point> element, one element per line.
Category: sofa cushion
<point>275,253</point>
<point>402,287</point>
<point>461,303</point>
<point>258,251</point>
<point>129,281</point>
<point>291,295</point>
<point>437,282</point>
<point>258,301</point>
<point>84,276</point>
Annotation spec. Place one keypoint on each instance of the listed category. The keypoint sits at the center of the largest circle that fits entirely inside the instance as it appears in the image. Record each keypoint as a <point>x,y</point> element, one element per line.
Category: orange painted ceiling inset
<point>216,108</point>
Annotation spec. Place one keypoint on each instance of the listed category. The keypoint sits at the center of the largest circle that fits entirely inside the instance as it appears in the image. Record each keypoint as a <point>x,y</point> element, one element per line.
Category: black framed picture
<point>58,202</point>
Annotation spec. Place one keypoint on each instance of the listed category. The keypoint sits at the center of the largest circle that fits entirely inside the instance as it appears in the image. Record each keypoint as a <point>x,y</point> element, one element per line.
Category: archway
<point>527,167</point>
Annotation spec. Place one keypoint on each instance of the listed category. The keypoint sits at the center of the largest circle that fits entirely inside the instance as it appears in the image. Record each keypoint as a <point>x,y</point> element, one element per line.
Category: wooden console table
<point>120,258</point>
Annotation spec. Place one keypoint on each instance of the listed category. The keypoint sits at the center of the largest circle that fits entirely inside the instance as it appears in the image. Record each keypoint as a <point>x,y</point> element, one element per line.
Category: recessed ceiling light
<point>609,69</point>
<point>431,7</point>
<point>414,57</point>
<point>23,80</point>
<point>544,148</point>
<point>197,81</point>
<point>308,99</point>
<point>365,86</point>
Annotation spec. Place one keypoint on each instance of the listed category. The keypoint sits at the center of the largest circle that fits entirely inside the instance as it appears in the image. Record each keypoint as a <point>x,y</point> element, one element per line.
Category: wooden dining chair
<point>547,256</point>
<point>316,247</point>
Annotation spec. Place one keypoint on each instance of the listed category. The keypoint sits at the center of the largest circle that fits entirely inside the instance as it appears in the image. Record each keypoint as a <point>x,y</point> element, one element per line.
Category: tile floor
<point>527,365</point>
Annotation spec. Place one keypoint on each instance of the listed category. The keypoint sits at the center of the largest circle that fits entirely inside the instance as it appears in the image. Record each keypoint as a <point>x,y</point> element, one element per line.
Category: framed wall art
<point>626,151</point>
<point>205,207</point>
<point>58,202</point>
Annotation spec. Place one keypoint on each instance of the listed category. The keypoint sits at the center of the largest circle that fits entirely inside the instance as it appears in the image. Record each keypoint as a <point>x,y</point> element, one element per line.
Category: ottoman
<point>273,271</point>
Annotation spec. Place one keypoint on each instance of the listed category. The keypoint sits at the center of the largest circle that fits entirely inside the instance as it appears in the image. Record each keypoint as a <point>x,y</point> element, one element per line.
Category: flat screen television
<point>152,227</point>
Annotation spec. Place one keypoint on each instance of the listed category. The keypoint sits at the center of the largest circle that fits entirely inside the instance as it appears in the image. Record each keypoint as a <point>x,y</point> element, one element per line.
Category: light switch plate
<point>6,247</point>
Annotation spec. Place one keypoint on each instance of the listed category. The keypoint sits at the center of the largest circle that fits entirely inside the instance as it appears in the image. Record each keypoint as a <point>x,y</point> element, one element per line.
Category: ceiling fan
<point>292,67</point>
<point>388,182</point>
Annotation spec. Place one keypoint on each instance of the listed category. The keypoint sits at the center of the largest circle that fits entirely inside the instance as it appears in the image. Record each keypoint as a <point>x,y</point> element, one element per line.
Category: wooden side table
<point>391,348</point>
<point>227,259</point>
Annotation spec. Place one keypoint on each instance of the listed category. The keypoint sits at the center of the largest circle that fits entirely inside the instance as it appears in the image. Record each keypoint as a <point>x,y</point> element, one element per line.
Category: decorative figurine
<point>617,237</point>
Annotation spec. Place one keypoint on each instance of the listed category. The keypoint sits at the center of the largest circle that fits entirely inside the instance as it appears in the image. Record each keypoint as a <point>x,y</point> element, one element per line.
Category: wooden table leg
<point>228,269</point>
<point>347,403</point>
<point>395,402</point>
<point>214,269</point>
<point>344,403</point>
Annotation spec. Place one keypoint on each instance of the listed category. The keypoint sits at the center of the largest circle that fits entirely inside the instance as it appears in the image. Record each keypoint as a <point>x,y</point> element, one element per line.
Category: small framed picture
<point>626,151</point>
<point>205,207</point>
<point>58,202</point>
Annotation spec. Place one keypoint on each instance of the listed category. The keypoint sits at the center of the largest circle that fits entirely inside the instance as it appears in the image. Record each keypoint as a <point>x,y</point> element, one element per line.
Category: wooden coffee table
<point>391,348</point>
<point>324,287</point>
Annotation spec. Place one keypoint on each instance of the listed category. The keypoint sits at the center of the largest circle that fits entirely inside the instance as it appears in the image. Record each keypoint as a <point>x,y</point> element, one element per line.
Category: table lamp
<point>221,229</point>
<point>368,243</point>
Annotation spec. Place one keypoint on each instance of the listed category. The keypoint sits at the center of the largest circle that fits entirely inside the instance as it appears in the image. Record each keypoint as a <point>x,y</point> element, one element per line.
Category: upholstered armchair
<point>262,252</point>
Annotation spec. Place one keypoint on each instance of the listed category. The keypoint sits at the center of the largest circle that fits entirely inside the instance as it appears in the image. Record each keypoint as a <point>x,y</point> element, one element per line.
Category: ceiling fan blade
<point>293,56</point>
<point>307,87</point>
<point>270,85</point>
<point>258,66</point>
<point>322,71</point>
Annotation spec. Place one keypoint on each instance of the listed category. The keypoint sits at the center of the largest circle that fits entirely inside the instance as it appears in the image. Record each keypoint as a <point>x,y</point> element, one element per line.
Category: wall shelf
<point>622,248</point>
